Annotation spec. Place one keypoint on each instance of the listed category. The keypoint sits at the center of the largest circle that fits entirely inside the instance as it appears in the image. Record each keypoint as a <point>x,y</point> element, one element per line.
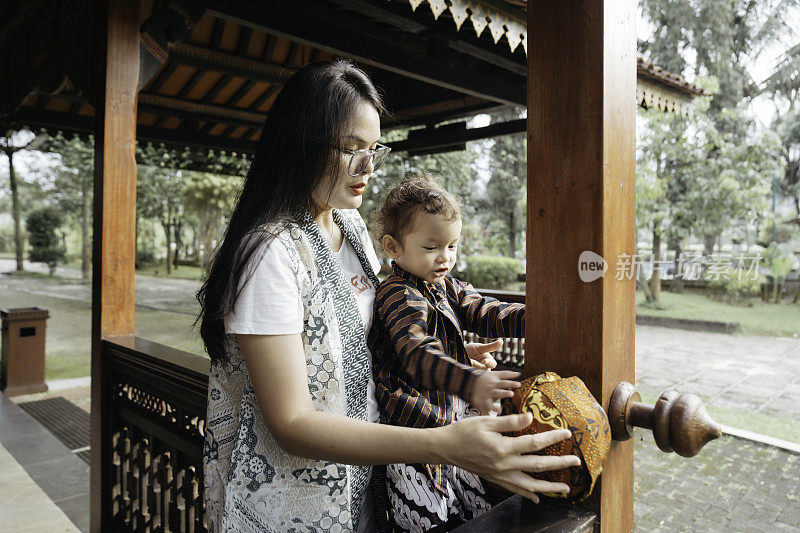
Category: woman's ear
<point>391,246</point>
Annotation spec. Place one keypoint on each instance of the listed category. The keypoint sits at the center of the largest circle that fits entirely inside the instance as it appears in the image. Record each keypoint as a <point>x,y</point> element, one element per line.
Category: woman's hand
<point>476,444</point>
<point>480,353</point>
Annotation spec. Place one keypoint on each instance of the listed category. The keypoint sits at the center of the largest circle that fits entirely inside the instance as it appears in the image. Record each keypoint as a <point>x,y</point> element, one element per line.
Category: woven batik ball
<point>558,403</point>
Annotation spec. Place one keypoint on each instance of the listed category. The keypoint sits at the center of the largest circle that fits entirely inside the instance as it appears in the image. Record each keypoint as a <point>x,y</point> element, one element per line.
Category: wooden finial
<point>679,422</point>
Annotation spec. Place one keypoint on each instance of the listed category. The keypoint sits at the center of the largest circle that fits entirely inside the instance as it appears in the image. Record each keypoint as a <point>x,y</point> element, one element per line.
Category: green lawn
<point>781,320</point>
<point>68,334</point>
<point>182,272</point>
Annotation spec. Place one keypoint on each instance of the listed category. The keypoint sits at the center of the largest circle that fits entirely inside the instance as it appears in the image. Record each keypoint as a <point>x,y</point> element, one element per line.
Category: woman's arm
<point>277,368</point>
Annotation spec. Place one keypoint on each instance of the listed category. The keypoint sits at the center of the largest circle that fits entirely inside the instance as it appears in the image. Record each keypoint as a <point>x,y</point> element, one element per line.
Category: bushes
<point>45,244</point>
<point>734,286</point>
<point>490,272</point>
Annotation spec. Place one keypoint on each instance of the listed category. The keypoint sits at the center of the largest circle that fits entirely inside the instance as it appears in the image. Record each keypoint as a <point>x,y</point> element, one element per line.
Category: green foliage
<point>45,245</point>
<point>503,205</point>
<point>722,37</point>
<point>490,272</point>
<point>780,259</point>
<point>208,200</point>
<point>734,285</point>
<point>73,178</point>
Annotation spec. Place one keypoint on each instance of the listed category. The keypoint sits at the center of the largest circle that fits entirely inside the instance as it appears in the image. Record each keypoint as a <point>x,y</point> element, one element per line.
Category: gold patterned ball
<point>565,403</point>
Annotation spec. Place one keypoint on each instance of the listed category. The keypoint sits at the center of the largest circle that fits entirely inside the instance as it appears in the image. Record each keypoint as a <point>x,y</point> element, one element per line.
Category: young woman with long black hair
<point>290,430</point>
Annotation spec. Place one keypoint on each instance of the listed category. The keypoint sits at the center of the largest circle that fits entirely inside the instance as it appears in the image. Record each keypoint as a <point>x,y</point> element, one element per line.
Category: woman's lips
<point>358,188</point>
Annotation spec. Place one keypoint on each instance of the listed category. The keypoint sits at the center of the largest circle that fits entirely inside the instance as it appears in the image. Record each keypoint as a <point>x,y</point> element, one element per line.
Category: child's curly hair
<point>413,195</point>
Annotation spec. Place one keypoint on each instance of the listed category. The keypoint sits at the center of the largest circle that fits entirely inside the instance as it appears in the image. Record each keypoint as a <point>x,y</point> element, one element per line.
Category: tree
<point>722,36</point>
<point>505,196</point>
<point>45,247</point>
<point>210,198</point>
<point>73,188</point>
<point>731,176</point>
<point>159,192</point>
<point>10,144</point>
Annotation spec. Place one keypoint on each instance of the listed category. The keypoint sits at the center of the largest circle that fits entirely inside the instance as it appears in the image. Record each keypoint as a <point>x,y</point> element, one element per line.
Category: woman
<point>291,431</point>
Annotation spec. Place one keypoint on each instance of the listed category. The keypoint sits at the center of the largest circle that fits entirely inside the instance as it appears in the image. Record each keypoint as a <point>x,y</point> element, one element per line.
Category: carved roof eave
<point>649,95</point>
<point>655,87</point>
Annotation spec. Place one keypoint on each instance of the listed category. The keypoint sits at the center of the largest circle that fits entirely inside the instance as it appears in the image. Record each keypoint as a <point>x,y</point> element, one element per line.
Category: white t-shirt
<point>269,302</point>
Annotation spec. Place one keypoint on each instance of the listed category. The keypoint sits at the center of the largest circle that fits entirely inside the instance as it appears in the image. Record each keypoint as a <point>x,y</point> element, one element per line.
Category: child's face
<point>429,250</point>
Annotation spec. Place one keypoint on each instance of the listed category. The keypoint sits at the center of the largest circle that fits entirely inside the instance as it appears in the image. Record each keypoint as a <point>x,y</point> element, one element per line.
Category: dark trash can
<point>22,358</point>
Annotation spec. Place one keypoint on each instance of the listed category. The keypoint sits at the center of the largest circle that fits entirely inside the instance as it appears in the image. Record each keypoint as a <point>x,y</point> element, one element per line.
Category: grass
<point>779,320</point>
<point>68,333</point>
<point>181,272</point>
<point>756,422</point>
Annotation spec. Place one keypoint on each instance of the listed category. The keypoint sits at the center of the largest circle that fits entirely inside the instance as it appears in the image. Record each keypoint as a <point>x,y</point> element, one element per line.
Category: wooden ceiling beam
<point>199,111</point>
<point>317,25</point>
<point>374,11</point>
<point>56,120</point>
<point>388,14</point>
<point>443,139</point>
<point>226,63</point>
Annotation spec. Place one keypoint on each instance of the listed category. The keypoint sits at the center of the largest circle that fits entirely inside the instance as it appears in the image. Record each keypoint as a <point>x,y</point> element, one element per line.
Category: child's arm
<point>421,357</point>
<point>486,316</point>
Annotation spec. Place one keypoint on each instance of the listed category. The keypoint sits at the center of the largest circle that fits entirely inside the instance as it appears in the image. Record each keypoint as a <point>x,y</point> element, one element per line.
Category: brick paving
<point>748,372</point>
<point>732,485</point>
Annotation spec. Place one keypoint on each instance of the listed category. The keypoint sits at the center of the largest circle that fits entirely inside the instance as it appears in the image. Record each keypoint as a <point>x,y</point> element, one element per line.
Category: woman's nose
<point>369,168</point>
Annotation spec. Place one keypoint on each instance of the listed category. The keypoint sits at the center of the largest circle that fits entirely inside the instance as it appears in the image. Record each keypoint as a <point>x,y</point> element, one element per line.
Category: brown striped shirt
<point>419,358</point>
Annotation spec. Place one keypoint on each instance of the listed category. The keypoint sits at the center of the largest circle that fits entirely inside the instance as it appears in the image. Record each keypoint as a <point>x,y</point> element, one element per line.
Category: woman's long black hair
<point>308,117</point>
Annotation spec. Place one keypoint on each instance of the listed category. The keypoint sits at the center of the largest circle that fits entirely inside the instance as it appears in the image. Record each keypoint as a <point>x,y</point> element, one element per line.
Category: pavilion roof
<point>435,60</point>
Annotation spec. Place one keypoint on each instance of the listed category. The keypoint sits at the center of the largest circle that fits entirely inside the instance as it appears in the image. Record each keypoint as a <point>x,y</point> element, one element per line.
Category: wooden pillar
<point>116,73</point>
<point>582,198</point>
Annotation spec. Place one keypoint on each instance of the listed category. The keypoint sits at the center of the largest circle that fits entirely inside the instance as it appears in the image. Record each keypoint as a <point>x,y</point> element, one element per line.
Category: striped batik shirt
<point>419,358</point>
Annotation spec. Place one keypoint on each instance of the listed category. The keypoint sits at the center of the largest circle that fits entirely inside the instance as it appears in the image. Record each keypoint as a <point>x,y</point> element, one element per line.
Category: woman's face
<point>340,190</point>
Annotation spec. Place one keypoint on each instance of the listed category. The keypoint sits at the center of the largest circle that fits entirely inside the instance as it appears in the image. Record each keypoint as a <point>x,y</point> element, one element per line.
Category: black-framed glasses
<point>360,159</point>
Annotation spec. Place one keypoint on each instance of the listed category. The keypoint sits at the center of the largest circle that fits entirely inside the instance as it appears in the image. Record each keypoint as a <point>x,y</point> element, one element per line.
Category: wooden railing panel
<point>157,404</point>
<point>156,401</point>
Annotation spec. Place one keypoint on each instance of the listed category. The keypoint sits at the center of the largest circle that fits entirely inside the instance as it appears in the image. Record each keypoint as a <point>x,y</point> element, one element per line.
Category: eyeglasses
<point>360,159</point>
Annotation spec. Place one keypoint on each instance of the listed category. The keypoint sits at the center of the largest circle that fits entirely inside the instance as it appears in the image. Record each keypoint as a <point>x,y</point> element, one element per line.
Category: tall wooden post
<point>582,198</point>
<point>116,74</point>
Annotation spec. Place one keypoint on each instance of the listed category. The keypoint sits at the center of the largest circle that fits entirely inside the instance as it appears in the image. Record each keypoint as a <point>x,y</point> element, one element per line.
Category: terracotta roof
<point>649,70</point>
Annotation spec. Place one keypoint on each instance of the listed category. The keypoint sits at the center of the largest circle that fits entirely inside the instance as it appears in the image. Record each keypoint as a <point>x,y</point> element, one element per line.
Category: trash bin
<point>22,358</point>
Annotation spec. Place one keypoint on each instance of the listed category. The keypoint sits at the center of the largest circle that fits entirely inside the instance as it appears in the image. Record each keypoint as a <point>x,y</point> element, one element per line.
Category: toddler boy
<point>423,375</point>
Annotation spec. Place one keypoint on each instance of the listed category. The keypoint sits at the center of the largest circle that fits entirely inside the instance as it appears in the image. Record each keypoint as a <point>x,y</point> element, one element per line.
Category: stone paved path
<point>743,372</point>
<point>732,485</point>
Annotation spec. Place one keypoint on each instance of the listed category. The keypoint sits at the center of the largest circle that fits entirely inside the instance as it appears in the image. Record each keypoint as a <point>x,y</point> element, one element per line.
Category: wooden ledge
<point>518,514</point>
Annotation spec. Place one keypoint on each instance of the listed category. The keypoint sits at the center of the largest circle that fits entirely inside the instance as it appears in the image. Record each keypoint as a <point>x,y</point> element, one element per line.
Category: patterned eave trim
<point>649,95</point>
<point>666,91</point>
<point>484,15</point>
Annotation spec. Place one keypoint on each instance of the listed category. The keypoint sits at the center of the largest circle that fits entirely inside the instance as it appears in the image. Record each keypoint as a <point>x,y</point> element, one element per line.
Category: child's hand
<point>490,387</point>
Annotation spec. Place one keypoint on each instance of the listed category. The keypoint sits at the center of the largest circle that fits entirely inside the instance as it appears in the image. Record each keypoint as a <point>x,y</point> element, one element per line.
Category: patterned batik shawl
<point>356,356</point>
<point>558,403</point>
<point>251,484</point>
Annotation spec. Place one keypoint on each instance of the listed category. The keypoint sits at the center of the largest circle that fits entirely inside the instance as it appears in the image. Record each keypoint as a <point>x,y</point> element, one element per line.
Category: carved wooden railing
<point>154,405</point>
<point>512,354</point>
